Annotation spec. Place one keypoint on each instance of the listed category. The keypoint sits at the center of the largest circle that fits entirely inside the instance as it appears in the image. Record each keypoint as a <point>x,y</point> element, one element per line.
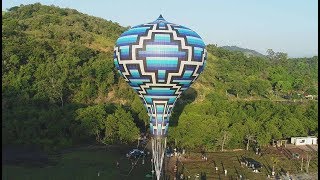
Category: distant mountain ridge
<point>247,52</point>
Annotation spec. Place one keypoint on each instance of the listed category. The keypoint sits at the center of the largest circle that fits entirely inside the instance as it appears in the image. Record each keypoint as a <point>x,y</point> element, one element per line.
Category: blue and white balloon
<point>159,60</point>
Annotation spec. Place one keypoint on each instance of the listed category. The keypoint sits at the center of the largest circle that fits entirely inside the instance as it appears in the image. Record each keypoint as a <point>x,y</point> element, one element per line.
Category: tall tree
<point>92,119</point>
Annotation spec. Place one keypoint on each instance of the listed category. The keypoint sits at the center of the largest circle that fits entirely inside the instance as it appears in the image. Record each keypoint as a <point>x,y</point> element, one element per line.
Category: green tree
<point>259,87</point>
<point>140,110</point>
<point>50,82</point>
<point>120,126</point>
<point>92,119</point>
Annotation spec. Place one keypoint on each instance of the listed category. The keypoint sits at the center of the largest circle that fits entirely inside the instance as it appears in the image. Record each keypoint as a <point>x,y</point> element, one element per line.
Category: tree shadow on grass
<point>25,155</point>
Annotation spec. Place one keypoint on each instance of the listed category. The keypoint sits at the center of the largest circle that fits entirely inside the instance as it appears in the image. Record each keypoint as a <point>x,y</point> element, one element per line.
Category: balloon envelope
<point>159,60</point>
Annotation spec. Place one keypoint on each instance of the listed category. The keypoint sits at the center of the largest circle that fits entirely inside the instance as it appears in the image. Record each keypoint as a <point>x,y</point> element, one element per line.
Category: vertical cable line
<point>158,148</point>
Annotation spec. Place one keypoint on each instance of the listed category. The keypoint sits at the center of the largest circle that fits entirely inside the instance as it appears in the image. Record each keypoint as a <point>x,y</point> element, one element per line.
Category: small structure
<point>279,143</point>
<point>309,140</point>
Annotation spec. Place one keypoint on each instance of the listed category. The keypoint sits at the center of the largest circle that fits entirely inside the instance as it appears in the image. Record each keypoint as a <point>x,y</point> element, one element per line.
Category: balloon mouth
<point>159,114</point>
<point>159,132</point>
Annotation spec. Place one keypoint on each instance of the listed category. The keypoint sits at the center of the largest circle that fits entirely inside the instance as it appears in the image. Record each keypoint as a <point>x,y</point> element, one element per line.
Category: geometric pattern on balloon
<point>159,60</point>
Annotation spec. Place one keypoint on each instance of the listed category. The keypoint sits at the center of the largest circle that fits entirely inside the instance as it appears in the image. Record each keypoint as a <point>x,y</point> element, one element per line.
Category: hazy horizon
<point>284,26</point>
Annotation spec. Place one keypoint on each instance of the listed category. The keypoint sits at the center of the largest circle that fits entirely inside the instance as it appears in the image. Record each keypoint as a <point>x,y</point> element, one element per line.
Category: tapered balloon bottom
<point>158,148</point>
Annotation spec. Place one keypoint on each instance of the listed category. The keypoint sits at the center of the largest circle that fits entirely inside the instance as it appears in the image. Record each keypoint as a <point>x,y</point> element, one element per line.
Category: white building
<point>304,140</point>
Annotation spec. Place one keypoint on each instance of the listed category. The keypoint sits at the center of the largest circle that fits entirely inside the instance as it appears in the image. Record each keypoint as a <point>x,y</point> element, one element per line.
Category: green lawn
<point>230,161</point>
<point>81,164</point>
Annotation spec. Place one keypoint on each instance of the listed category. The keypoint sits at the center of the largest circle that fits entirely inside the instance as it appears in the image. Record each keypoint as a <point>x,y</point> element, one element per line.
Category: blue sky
<point>289,26</point>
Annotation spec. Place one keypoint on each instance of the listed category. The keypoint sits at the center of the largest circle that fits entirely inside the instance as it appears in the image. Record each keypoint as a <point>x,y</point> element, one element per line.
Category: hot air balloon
<point>159,60</point>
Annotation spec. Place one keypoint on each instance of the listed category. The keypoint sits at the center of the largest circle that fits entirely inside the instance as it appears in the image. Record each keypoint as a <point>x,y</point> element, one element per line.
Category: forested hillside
<point>60,88</point>
<point>247,52</point>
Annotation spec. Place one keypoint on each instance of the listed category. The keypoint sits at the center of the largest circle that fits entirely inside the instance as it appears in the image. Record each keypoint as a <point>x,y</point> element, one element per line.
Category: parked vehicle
<point>251,163</point>
<point>135,153</point>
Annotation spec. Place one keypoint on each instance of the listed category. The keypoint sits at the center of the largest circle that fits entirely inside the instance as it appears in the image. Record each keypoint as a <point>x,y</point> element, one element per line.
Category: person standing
<point>181,176</point>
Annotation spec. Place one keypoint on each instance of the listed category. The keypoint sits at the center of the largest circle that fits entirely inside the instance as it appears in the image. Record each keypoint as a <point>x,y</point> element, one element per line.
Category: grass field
<point>81,164</point>
<point>85,163</point>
